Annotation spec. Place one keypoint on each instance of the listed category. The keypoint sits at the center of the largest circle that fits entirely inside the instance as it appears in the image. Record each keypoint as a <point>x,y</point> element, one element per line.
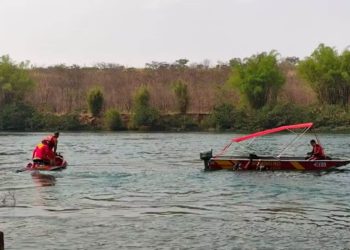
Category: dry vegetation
<point>295,89</point>
<point>62,89</point>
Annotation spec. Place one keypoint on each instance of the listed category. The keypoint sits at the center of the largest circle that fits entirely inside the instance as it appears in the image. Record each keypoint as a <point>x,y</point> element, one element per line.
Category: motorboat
<point>252,161</point>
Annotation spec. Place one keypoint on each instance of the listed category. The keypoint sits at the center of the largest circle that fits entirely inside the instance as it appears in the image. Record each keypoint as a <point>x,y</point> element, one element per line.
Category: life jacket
<point>43,152</point>
<point>317,151</point>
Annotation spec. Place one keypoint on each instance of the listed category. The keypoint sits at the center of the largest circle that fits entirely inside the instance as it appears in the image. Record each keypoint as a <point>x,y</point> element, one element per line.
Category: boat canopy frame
<point>305,126</point>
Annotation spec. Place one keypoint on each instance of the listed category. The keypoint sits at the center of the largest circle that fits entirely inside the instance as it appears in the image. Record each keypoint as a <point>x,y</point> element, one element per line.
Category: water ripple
<point>149,191</point>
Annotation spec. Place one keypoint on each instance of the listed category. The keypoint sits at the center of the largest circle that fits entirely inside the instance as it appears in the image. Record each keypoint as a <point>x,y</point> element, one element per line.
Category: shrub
<point>143,114</point>
<point>70,122</point>
<point>330,116</point>
<point>16,116</point>
<point>141,97</point>
<point>37,122</point>
<point>188,123</point>
<point>279,115</point>
<point>49,121</point>
<point>223,116</point>
<point>95,101</point>
<point>112,120</point>
<point>182,96</point>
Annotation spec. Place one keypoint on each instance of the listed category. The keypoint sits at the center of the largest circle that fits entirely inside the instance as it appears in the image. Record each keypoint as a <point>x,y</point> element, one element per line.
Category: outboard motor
<point>206,156</point>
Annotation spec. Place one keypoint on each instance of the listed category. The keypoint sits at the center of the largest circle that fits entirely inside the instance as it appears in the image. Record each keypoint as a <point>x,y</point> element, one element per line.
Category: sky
<point>135,32</point>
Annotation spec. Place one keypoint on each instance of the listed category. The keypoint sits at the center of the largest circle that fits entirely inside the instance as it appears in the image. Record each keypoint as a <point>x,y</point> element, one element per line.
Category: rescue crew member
<point>43,154</point>
<point>52,141</point>
<point>317,152</point>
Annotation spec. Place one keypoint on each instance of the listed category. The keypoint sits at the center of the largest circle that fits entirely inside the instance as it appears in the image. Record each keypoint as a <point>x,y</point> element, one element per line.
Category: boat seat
<point>253,156</point>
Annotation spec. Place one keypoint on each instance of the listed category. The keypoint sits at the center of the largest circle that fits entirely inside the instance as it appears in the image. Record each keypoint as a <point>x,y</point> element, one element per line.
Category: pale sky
<point>134,32</point>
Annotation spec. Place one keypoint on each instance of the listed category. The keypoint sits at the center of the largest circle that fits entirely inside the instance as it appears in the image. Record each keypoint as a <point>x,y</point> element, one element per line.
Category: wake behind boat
<point>253,162</point>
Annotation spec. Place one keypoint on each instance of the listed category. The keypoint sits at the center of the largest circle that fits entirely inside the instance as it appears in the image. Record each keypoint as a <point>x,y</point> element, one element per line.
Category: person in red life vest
<point>317,152</point>
<point>52,141</point>
<point>43,154</point>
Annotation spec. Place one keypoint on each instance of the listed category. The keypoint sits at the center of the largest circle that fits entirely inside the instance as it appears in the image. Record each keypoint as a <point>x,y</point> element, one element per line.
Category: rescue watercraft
<point>60,164</point>
<point>278,162</point>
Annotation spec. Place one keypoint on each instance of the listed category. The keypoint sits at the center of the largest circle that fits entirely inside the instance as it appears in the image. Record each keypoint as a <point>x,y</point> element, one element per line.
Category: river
<point>149,191</point>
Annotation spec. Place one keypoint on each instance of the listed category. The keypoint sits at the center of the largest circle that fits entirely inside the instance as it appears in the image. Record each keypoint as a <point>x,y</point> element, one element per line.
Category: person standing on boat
<point>317,152</point>
<point>52,141</point>
<point>43,154</point>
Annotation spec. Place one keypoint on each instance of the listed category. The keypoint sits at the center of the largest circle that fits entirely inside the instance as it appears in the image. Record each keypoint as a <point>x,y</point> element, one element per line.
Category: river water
<point>149,191</point>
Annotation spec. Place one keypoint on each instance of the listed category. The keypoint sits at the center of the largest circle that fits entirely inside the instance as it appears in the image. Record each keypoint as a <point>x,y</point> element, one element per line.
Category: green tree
<point>258,78</point>
<point>328,73</point>
<point>182,97</point>
<point>112,120</point>
<point>15,81</point>
<point>143,114</point>
<point>95,101</point>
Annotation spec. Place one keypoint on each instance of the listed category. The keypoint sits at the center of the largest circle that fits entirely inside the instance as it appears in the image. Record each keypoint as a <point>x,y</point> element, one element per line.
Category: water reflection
<point>43,180</point>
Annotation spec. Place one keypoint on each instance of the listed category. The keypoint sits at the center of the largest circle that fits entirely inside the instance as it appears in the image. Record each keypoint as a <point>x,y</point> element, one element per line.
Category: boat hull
<point>255,163</point>
<point>274,165</point>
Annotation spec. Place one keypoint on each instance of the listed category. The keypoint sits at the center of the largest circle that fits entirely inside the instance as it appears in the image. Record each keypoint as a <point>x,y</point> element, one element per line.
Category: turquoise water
<point>149,191</point>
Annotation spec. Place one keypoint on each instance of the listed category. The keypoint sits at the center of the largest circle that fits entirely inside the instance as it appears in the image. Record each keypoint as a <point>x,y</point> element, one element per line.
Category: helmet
<point>45,141</point>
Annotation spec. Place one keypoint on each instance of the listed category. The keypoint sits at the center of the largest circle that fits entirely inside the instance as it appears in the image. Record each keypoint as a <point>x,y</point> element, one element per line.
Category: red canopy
<point>273,130</point>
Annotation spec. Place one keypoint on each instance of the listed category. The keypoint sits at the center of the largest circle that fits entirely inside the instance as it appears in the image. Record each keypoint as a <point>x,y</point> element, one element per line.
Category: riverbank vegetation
<point>261,91</point>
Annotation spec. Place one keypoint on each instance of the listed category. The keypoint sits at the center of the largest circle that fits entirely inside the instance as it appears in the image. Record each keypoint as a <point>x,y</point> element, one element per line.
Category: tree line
<point>259,91</point>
